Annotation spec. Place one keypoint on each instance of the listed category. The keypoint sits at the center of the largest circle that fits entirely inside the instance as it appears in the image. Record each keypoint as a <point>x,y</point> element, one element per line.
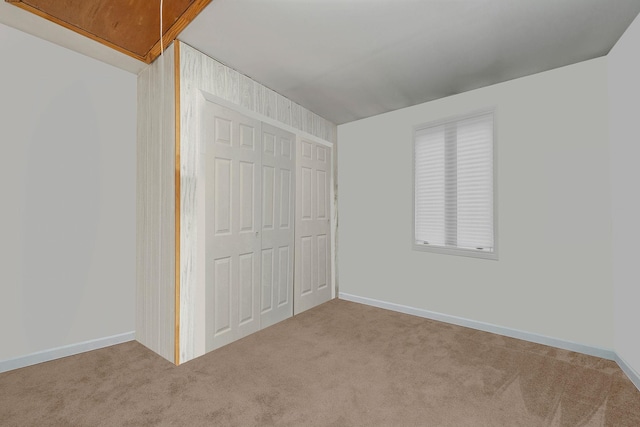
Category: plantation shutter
<point>454,184</point>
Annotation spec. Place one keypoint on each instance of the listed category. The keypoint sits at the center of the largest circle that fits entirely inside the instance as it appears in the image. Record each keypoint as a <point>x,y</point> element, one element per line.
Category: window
<point>454,186</point>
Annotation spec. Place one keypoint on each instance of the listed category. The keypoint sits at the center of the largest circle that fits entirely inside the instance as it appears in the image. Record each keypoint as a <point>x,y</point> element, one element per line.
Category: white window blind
<point>454,184</point>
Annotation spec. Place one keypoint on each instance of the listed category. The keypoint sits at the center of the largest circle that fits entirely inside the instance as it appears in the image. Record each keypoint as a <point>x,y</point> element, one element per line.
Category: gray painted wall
<point>67,183</point>
<point>624,110</point>
<point>554,275</point>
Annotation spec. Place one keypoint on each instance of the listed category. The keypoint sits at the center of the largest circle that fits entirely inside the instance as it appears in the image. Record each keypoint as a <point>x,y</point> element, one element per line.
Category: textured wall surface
<point>155,306</point>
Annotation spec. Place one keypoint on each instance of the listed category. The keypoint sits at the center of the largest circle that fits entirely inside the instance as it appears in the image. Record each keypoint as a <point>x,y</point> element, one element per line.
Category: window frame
<point>450,250</point>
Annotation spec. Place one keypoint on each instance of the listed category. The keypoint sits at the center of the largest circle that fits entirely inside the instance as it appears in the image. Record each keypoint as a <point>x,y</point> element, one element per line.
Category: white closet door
<point>278,213</point>
<point>312,285</point>
<point>233,215</point>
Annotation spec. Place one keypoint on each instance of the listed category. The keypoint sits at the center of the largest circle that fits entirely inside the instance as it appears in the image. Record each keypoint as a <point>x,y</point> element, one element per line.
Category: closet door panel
<point>233,214</point>
<point>278,209</point>
<point>313,228</point>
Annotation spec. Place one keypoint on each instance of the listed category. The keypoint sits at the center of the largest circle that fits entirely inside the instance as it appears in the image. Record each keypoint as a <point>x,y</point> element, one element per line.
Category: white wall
<point>624,110</point>
<point>553,276</point>
<point>67,185</point>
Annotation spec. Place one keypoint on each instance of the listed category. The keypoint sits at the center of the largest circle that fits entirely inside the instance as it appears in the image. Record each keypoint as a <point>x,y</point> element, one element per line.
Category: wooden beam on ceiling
<point>128,26</point>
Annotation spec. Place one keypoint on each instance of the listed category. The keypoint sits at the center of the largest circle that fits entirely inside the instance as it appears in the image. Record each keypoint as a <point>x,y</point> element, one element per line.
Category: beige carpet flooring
<point>340,364</point>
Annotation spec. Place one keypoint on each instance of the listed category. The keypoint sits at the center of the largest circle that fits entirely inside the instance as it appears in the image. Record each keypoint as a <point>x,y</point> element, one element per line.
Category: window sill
<point>456,251</point>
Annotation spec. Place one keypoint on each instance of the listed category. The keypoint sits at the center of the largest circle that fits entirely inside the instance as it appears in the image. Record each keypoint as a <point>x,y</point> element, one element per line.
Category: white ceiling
<point>350,59</point>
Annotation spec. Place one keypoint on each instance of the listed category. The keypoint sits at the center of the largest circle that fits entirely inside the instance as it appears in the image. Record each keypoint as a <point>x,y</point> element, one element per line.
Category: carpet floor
<point>339,364</point>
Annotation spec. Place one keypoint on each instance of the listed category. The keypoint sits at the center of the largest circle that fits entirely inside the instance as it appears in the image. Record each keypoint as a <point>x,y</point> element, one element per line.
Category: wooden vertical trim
<point>177,199</point>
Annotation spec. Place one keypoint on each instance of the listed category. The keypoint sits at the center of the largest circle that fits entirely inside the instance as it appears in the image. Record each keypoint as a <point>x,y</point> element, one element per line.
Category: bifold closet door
<point>312,285</point>
<point>232,228</point>
<point>278,213</point>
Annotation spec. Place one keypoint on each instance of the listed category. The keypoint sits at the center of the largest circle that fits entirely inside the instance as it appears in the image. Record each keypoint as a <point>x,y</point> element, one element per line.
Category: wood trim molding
<point>73,28</point>
<point>172,32</point>
<point>169,35</point>
<point>176,65</point>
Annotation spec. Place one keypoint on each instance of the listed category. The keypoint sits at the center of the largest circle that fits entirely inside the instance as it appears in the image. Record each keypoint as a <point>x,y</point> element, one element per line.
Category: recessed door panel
<point>268,197</point>
<point>307,150</point>
<point>269,143</point>
<point>307,193</point>
<point>267,280</point>
<point>247,196</point>
<point>222,283</point>
<point>321,194</point>
<point>323,273</point>
<point>284,276</point>
<point>246,287</point>
<point>286,145</point>
<point>222,131</point>
<point>286,195</point>
<point>306,265</point>
<point>247,136</point>
<point>222,218</point>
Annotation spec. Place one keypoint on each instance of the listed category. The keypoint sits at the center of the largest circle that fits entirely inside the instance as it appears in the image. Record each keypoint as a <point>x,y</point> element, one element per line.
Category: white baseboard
<point>67,350</point>
<point>487,327</point>
<point>629,371</point>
